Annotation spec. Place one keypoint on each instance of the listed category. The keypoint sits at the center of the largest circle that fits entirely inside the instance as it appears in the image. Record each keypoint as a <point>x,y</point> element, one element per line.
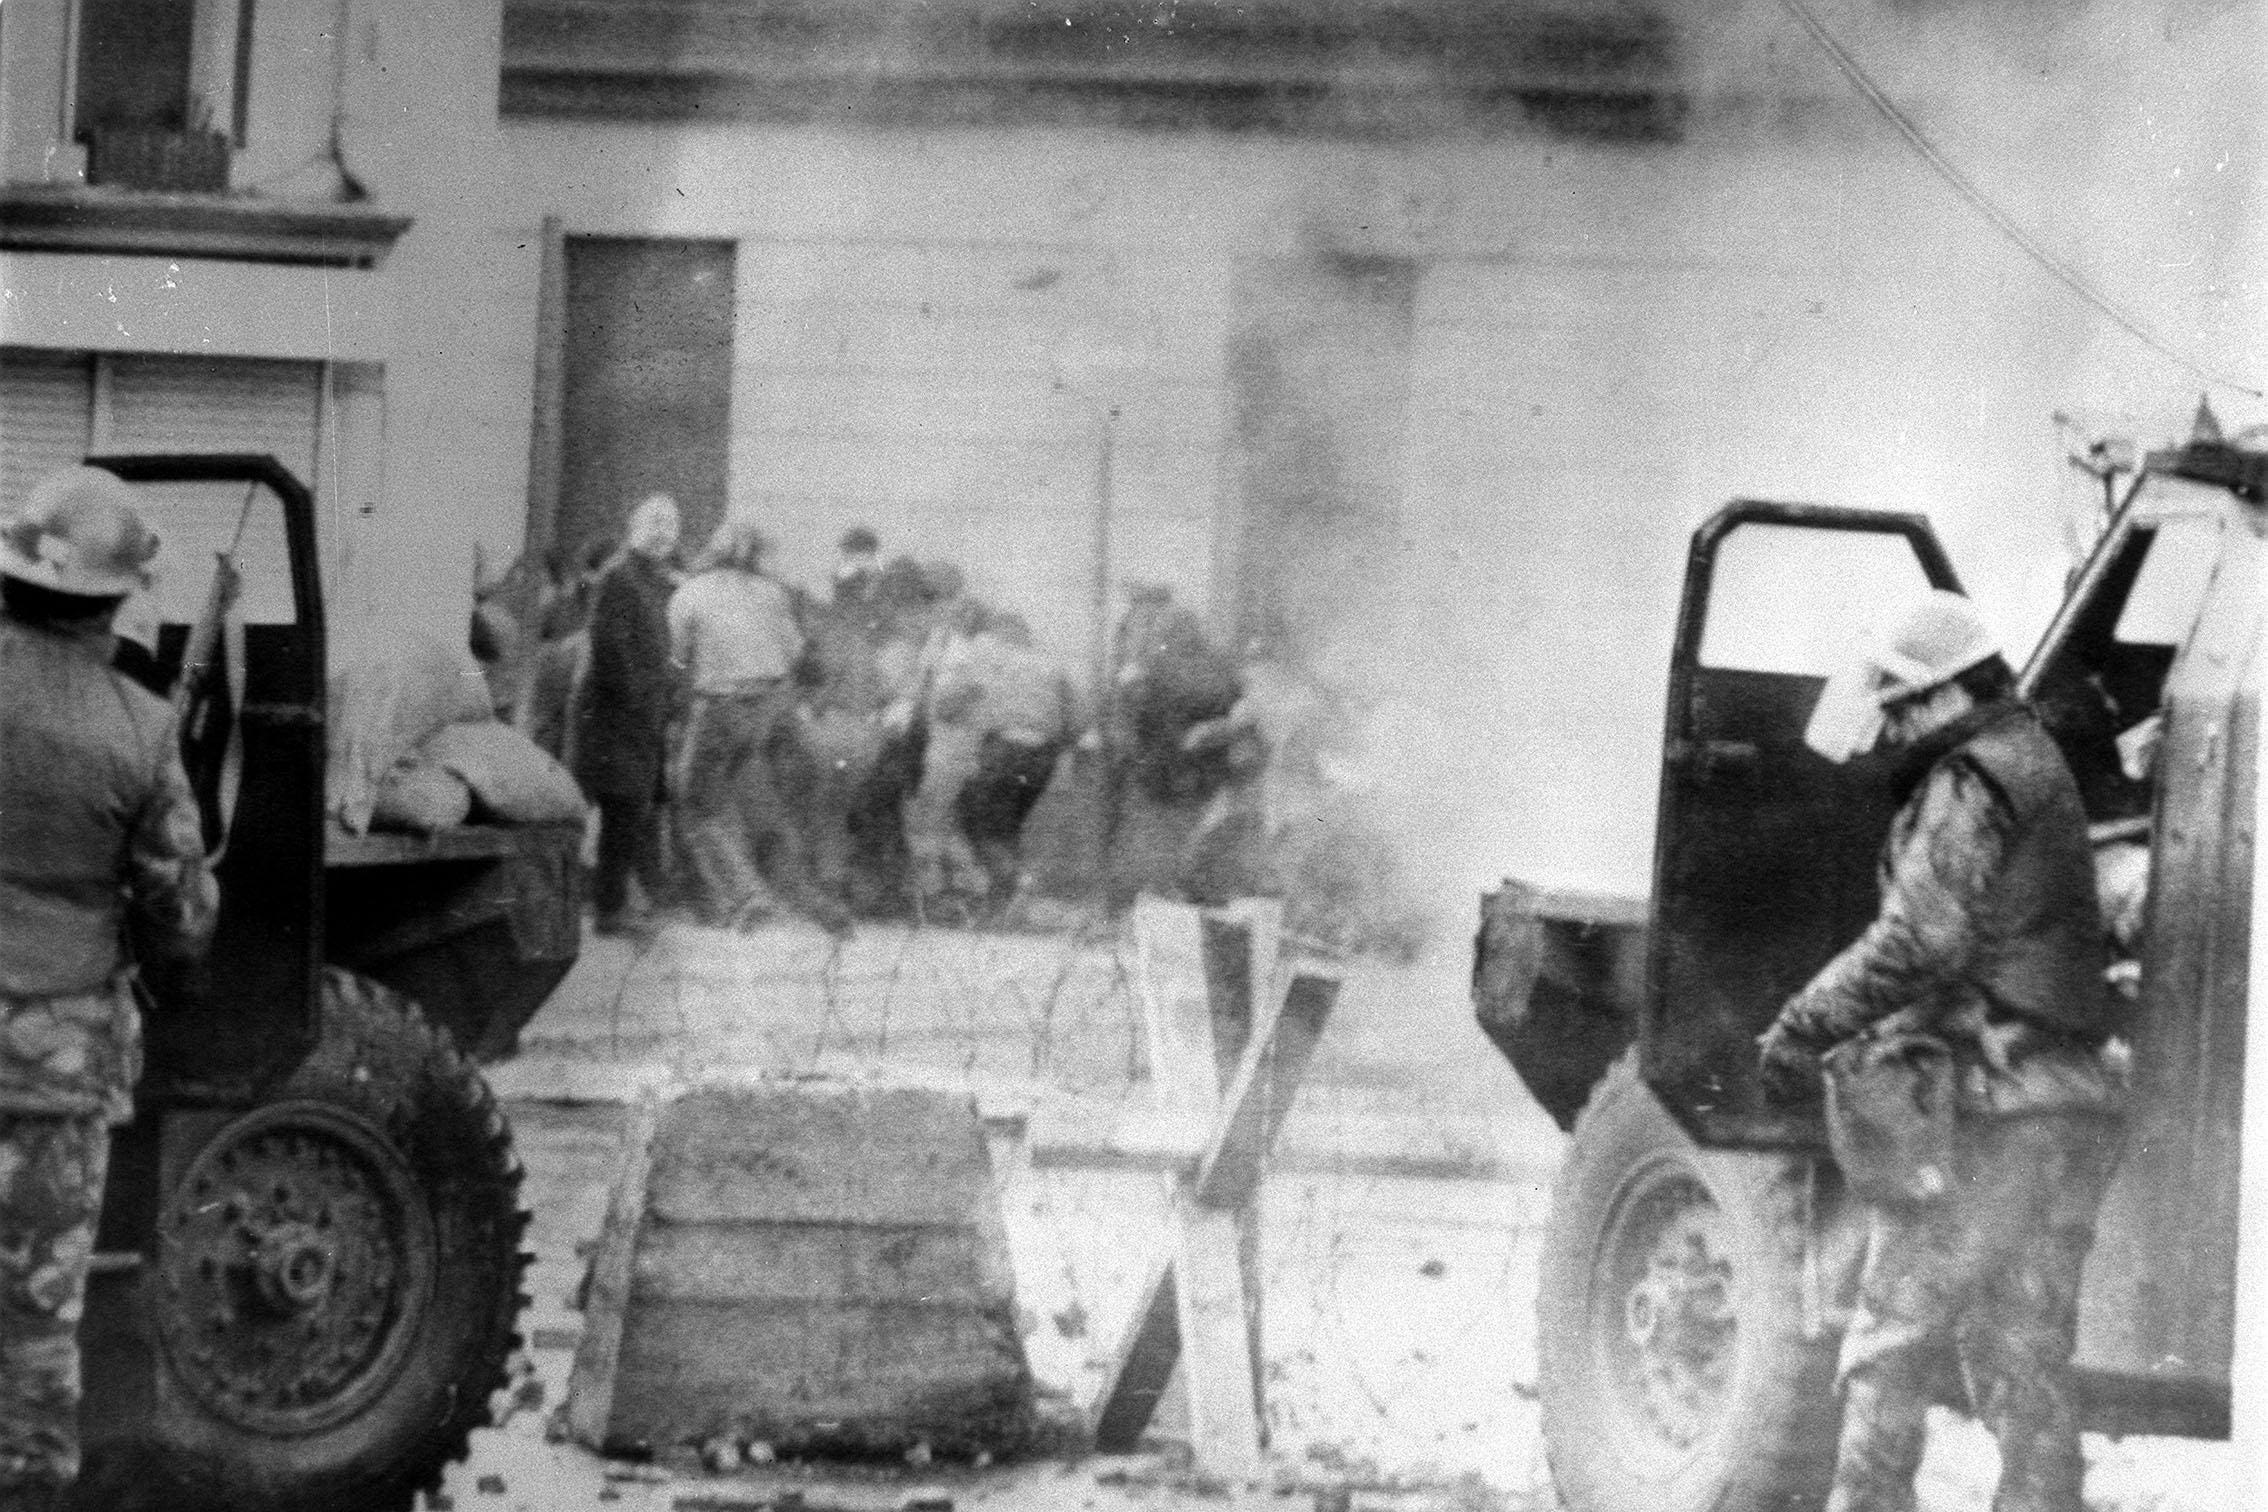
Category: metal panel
<point>216,1034</point>
<point>1764,852</point>
<point>2157,1311</point>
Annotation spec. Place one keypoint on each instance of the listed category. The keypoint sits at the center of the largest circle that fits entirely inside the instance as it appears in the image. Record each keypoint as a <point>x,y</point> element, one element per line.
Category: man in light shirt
<point>734,636</point>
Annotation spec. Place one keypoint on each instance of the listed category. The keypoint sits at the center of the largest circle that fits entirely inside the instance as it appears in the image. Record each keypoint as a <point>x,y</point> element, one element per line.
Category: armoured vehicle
<point>308,1269</point>
<point>1701,1254</point>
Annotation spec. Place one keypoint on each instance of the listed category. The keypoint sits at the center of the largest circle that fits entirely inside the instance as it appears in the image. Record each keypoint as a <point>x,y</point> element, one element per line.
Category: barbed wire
<point>1053,1017</point>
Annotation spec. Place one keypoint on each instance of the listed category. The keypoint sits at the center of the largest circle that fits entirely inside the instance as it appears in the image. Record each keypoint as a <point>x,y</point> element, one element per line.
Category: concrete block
<point>808,1265</point>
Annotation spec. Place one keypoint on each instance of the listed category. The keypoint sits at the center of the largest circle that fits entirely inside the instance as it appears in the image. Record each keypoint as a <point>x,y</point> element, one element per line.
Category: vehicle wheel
<point>1675,1375</point>
<point>337,1274</point>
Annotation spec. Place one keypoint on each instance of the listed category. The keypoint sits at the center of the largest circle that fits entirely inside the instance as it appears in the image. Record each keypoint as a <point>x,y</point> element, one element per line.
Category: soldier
<point>1986,957</point>
<point>102,865</point>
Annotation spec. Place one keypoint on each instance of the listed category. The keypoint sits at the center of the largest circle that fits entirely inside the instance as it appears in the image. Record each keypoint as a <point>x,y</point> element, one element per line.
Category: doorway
<point>643,331</point>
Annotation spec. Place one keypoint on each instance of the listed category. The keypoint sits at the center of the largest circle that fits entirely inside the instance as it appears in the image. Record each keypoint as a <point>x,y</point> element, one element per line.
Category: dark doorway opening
<point>645,382</point>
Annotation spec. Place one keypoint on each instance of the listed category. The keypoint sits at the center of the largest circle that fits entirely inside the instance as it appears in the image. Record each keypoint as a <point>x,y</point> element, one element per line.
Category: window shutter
<point>45,401</point>
<point>217,404</point>
<point>214,404</point>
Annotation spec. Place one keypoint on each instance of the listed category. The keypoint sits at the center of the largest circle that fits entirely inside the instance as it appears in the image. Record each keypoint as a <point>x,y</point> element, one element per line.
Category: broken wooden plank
<point>1202,1310</point>
<point>1177,1014</point>
<point>1228,1173</point>
<point>1216,1363</point>
<point>1146,1355</point>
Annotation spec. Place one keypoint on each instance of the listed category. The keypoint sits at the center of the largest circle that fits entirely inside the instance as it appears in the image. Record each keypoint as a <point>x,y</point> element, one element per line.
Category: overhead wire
<point>1945,168</point>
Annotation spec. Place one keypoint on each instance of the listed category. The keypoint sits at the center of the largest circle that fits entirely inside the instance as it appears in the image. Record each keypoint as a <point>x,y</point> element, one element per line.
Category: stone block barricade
<point>809,1265</point>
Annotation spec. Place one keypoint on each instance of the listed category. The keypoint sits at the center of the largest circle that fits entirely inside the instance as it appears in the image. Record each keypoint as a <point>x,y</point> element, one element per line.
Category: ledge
<point>1597,69</point>
<point>76,218</point>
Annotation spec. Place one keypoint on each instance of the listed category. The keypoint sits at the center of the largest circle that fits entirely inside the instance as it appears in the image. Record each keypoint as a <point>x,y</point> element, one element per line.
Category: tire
<point>337,1275</point>
<point>1674,1371</point>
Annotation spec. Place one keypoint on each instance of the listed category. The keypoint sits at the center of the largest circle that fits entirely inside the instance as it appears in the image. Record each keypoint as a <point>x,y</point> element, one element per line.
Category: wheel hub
<point>295,1264</point>
<point>1671,1335</point>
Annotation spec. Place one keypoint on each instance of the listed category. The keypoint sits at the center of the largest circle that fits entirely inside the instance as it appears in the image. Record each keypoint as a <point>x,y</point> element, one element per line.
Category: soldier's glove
<point>1787,1067</point>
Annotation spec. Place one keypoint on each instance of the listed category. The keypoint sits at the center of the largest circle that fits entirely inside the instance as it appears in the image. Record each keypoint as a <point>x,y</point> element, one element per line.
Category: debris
<point>1072,1322</point>
<point>919,1454</point>
<point>927,1499</point>
<point>490,1485</point>
<point>1433,1270</point>
<point>649,1475</point>
<point>1334,1499</point>
<point>761,1453</point>
<point>721,1455</point>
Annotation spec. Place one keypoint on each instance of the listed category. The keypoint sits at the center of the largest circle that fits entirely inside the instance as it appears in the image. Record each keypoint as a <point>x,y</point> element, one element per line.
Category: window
<point>156,70</point>
<point>1794,600</point>
<point>57,407</point>
<point>2170,588</point>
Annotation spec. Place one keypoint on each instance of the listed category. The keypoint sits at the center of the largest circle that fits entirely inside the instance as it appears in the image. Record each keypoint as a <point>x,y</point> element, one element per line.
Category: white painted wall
<point>1610,343</point>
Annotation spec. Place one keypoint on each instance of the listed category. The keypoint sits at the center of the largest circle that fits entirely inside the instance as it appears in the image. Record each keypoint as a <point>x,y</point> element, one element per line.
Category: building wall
<point>938,325</point>
<point>1609,341</point>
<point>423,439</point>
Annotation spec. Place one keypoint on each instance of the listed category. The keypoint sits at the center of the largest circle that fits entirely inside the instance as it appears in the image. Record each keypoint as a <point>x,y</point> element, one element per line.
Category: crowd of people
<point>872,749</point>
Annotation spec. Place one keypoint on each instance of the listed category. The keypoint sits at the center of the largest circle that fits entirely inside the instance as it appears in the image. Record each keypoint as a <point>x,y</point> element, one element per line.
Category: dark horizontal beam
<point>1501,43</point>
<point>1597,69</point>
<point>74,218</point>
<point>1636,116</point>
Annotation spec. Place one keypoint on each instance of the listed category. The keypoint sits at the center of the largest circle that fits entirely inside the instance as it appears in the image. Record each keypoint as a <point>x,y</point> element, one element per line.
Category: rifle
<point>211,764</point>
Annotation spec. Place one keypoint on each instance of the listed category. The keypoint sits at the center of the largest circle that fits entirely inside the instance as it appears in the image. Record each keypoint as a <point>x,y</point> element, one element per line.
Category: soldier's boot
<point>1884,1425</point>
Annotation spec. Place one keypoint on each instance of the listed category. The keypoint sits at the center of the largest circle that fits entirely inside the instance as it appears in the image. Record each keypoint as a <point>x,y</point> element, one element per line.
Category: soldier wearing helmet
<point>1985,962</point>
<point>102,866</point>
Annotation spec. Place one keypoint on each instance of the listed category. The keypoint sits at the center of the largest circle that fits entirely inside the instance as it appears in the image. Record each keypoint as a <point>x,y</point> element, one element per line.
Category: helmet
<point>1934,641</point>
<point>1928,644</point>
<point>79,534</point>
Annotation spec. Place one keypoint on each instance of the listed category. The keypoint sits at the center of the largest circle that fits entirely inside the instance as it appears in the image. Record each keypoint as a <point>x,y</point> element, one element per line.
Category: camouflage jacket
<point>102,863</point>
<point>1988,933</point>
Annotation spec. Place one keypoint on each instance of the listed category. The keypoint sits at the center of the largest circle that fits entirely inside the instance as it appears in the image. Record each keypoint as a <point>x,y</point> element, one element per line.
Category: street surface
<point>1400,1225</point>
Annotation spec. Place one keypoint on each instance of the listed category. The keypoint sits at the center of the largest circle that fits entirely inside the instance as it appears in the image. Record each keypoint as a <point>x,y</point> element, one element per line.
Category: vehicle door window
<point>2101,678</point>
<point>1789,599</point>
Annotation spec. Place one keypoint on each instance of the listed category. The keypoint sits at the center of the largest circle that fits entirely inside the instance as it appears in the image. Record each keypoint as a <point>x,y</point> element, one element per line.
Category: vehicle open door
<point>252,740</point>
<point>1765,851</point>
